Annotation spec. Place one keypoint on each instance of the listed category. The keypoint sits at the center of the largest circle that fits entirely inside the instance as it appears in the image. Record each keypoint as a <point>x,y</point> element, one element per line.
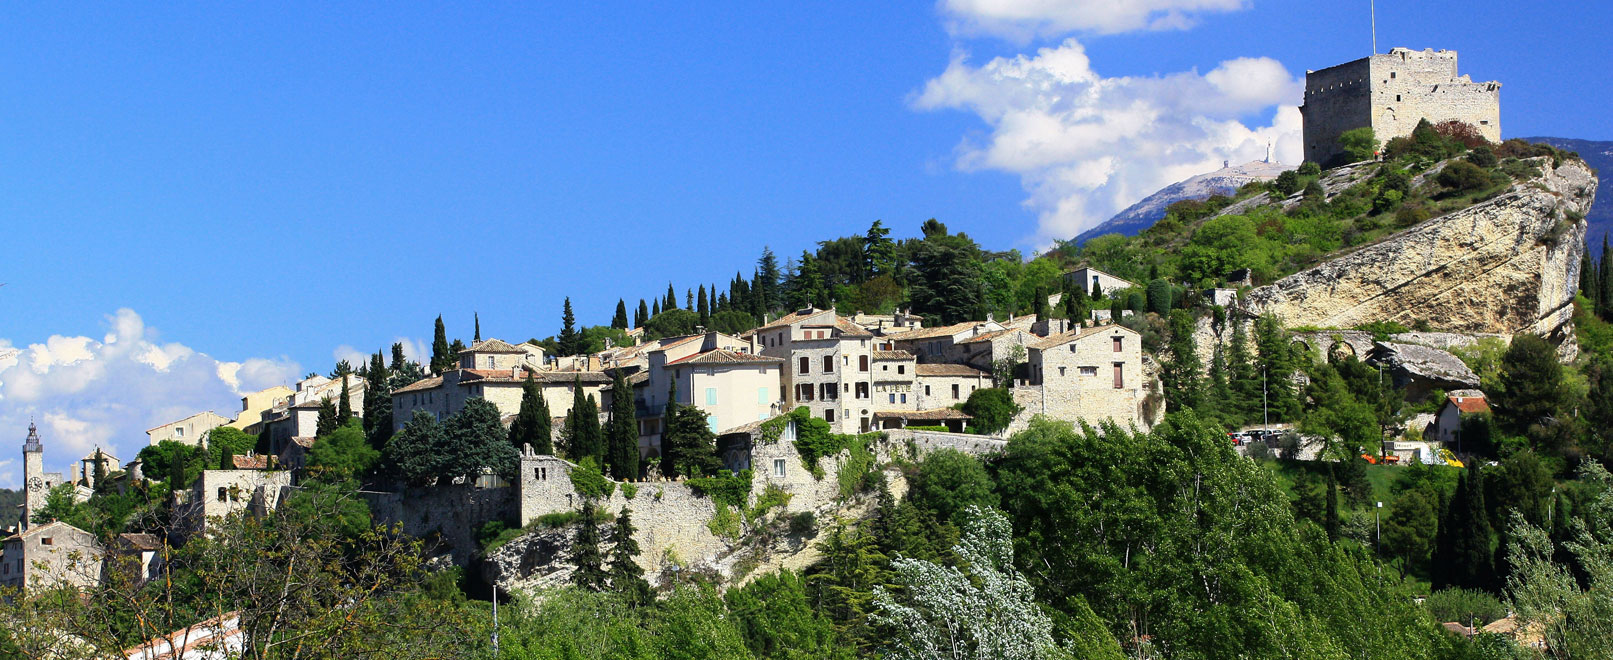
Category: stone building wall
<point>49,555</point>
<point>446,517</point>
<point>218,493</point>
<point>1392,92</point>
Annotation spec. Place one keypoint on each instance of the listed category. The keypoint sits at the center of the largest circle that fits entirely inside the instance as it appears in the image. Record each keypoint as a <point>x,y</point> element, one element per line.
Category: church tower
<point>33,474</point>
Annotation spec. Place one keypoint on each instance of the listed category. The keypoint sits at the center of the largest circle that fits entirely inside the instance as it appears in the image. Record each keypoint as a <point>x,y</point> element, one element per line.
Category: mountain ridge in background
<point>1145,213</point>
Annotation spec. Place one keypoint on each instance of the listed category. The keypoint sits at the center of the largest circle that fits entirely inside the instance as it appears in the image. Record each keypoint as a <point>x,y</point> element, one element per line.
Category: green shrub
<point>1462,176</point>
<point>936,427</point>
<point>589,482</point>
<point>1465,606</point>
<point>629,491</point>
<point>1359,143</point>
<point>1382,329</point>
<point>725,522</point>
<point>556,519</point>
<point>1309,168</point>
<point>1410,215</point>
<point>802,524</point>
<point>992,408</point>
<point>731,490</point>
<point>1483,157</point>
<point>1286,183</point>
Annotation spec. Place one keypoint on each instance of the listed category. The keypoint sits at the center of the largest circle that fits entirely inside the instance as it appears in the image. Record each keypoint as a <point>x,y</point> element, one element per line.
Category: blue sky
<point>262,186</point>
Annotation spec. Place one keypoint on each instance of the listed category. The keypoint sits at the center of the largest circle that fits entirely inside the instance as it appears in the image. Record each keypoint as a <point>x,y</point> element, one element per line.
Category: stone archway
<point>1341,350</point>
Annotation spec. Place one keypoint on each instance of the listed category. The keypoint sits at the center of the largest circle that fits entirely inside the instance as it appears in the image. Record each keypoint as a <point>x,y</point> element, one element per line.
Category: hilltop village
<point>1414,305</point>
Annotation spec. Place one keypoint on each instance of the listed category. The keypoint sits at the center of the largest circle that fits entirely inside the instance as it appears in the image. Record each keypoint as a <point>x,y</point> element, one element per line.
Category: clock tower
<point>33,474</point>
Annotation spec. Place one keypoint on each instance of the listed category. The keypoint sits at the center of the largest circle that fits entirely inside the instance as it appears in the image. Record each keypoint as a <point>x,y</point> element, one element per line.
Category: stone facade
<point>828,366</point>
<point>218,493</point>
<point>444,395</point>
<point>191,430</point>
<point>1392,92</point>
<point>1088,276</point>
<point>48,555</point>
<point>1091,374</point>
<point>945,385</point>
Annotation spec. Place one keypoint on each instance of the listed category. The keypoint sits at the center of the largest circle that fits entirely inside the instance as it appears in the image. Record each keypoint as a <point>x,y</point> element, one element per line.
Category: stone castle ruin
<point>1392,92</point>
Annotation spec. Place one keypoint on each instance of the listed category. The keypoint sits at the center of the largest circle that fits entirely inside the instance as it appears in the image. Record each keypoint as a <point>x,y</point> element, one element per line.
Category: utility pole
<point>1377,540</point>
<point>495,621</point>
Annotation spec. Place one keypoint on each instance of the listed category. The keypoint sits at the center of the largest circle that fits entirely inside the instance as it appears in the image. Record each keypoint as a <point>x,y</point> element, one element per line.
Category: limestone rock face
<point>1508,265</point>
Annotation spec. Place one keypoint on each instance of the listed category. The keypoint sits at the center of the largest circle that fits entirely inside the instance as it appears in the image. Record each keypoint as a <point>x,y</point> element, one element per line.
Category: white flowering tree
<point>984,611</point>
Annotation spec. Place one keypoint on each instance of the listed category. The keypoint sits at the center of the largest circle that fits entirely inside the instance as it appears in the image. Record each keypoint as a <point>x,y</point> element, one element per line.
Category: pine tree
<point>642,315</point>
<point>702,308</point>
<point>440,360</point>
<point>477,318</point>
<point>671,301</point>
<point>879,251</point>
<point>619,321</point>
<point>568,341</point>
<point>626,577</point>
<point>1277,364</point>
<point>622,436</point>
<point>765,283</point>
<point>531,426</point>
<point>378,403</point>
<point>344,404</point>
<point>1219,393</point>
<point>454,349</point>
<point>1243,375</point>
<point>590,573</point>
<point>327,420</point>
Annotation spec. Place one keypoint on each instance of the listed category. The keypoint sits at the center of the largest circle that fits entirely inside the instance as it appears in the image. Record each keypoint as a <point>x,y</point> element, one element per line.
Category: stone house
<point>651,373</point>
<point>497,355</point>
<point>49,555</point>
<point>191,430</point>
<point>255,404</point>
<point>218,493</point>
<point>894,373</point>
<point>1089,277</point>
<point>1460,404</point>
<point>829,366</point>
<point>984,349</point>
<point>444,395</point>
<point>731,387</point>
<point>1088,374</point>
<point>936,344</point>
<point>946,385</point>
<point>297,416</point>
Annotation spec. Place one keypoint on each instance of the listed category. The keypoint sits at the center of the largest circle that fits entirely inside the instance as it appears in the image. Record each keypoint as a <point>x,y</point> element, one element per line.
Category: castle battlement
<point>1392,92</point>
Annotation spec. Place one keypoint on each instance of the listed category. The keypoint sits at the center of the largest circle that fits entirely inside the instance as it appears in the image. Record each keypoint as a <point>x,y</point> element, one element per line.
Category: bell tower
<point>33,474</point>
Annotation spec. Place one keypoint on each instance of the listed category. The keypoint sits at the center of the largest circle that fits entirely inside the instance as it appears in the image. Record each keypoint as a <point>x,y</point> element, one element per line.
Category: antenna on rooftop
<point>1372,6</point>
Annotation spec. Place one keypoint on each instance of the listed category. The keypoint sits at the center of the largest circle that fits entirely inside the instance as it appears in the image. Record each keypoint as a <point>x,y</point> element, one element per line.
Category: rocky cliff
<point>1507,265</point>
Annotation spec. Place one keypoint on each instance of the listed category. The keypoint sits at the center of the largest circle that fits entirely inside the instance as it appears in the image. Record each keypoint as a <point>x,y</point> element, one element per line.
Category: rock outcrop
<point>1507,265</point>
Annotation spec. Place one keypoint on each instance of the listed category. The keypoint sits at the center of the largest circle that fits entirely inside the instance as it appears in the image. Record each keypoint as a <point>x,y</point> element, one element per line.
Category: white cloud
<point>86,393</point>
<point>413,349</point>
<point>1024,19</point>
<point>1086,146</point>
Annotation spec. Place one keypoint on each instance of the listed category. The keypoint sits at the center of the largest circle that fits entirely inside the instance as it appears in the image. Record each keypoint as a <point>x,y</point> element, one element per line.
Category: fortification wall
<point>1337,99</point>
<point>449,515</point>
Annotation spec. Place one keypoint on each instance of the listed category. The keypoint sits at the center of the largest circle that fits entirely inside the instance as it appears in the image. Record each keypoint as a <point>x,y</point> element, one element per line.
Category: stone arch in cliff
<point>1341,350</point>
<point>1303,348</point>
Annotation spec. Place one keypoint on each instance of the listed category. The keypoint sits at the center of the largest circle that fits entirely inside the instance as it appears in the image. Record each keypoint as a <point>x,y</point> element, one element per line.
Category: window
<point>47,541</point>
<point>222,494</point>
<point>1118,344</point>
<point>711,396</point>
<point>862,363</point>
<point>1392,74</point>
<point>778,467</point>
<point>761,396</point>
<point>803,392</point>
<point>862,390</point>
<point>537,473</point>
<point>829,415</point>
<point>1397,98</point>
<point>1087,371</point>
<point>904,397</point>
<point>828,364</point>
<point>806,365</point>
<point>489,362</point>
<point>1061,372</point>
<point>179,431</point>
<point>893,398</point>
<point>711,423</point>
<point>955,388</point>
<point>830,391</point>
<point>927,389</point>
<point>901,368</point>
<point>1120,380</point>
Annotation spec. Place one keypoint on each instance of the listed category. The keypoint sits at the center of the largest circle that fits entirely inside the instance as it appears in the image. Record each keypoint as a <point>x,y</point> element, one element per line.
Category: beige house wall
<point>50,555</point>
<point>191,430</point>
<point>254,404</point>
<point>1065,393</point>
<point>938,391</point>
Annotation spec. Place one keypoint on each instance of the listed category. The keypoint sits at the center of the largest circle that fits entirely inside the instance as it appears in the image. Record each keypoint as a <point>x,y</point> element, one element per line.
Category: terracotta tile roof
<point>988,336</point>
<point>792,317</point>
<point>313,403</point>
<point>1470,404</point>
<point>492,346</point>
<point>936,415</point>
<point>930,333</point>
<point>552,377</point>
<point>141,542</point>
<point>420,385</point>
<point>751,427</point>
<point>946,370</point>
<point>720,357</point>
<point>892,355</point>
<point>1079,333</point>
<point>259,462</point>
<point>849,329</point>
<point>303,441</point>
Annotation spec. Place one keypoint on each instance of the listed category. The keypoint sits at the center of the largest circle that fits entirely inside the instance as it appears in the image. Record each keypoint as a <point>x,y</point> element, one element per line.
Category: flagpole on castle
<point>1372,6</point>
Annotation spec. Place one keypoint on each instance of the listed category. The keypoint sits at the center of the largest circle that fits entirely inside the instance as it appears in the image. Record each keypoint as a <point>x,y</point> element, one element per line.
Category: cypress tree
<point>226,461</point>
<point>378,403</point>
<point>568,339</point>
<point>1586,267</point>
<point>669,440</point>
<point>176,474</point>
<point>626,577</point>
<point>327,421</point>
<point>590,573</point>
<point>1043,311</point>
<point>1097,291</point>
<point>1219,393</point>
<point>622,437</point>
<point>440,360</point>
<point>657,311</point>
<point>477,318</point>
<point>531,426</point>
<point>1243,377</point>
<point>344,404</point>
<point>642,315</point>
<point>766,282</point>
<point>1330,520</point>
<point>397,356</point>
<point>583,423</point>
<point>98,472</point>
<point>1604,284</point>
<point>619,321</point>
<point>671,301</point>
<point>1179,373</point>
<point>702,308</point>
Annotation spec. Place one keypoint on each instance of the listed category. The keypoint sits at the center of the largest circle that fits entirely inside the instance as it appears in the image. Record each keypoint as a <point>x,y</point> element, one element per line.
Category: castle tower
<point>1392,92</point>
<point>33,475</point>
